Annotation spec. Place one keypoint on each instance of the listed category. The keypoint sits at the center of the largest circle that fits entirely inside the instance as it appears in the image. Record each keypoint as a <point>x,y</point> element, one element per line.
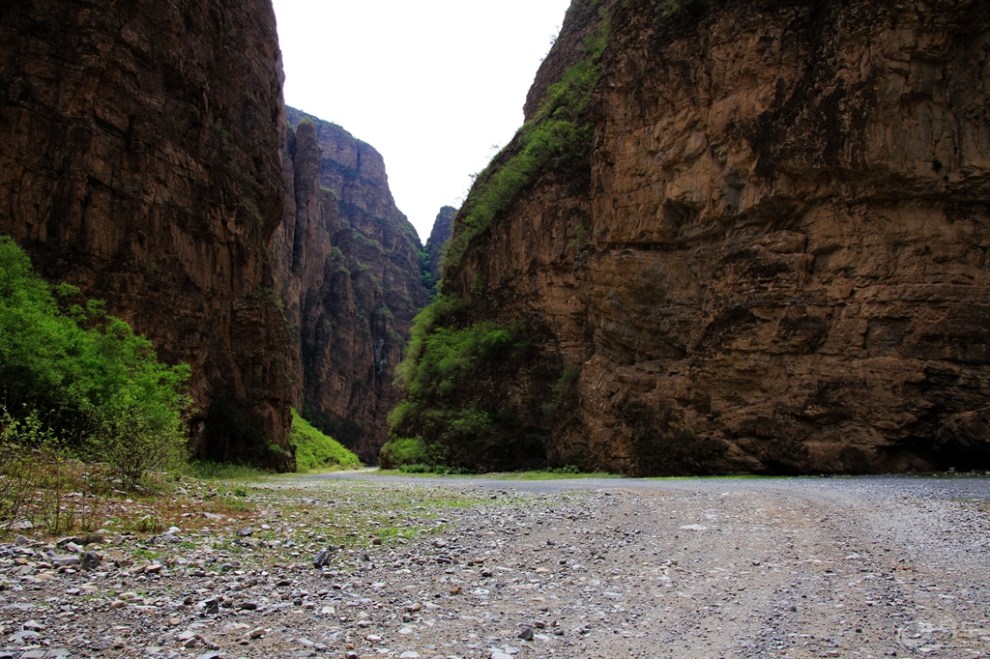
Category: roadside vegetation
<point>316,451</point>
<point>90,415</point>
<point>448,420</point>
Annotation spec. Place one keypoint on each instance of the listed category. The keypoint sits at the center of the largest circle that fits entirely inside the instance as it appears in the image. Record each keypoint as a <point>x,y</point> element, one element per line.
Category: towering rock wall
<point>443,229</point>
<point>139,146</point>
<point>772,258</point>
<point>350,277</point>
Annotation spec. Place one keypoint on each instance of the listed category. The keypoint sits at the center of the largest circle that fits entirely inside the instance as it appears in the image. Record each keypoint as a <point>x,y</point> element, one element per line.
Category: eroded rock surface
<point>778,261</point>
<point>349,271</point>
<point>443,229</point>
<point>139,148</point>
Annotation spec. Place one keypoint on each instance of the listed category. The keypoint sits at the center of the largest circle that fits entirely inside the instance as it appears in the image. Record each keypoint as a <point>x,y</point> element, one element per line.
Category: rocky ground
<point>865,567</point>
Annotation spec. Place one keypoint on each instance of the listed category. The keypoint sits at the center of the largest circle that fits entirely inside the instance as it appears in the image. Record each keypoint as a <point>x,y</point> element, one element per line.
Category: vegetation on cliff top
<point>448,416</point>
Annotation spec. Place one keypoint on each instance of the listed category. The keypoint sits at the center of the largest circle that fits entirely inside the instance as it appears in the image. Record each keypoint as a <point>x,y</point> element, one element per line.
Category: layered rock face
<point>778,260</point>
<point>139,156</point>
<point>443,229</point>
<point>349,272</point>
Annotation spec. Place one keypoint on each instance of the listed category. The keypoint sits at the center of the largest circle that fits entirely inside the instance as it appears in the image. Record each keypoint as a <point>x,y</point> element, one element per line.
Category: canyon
<point>730,237</point>
<point>350,274</point>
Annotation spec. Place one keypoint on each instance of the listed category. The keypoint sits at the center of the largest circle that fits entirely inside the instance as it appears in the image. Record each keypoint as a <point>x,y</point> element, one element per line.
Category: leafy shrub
<point>317,451</point>
<point>401,452</point>
<point>448,416</point>
<point>87,377</point>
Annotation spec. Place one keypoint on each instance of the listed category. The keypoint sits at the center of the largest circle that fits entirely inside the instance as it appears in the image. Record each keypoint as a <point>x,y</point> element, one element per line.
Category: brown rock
<point>349,271</point>
<point>443,229</point>
<point>139,153</point>
<point>777,262</point>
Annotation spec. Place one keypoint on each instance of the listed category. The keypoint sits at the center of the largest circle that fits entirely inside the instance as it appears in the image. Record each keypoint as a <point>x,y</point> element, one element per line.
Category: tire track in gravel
<point>767,568</point>
<point>735,568</point>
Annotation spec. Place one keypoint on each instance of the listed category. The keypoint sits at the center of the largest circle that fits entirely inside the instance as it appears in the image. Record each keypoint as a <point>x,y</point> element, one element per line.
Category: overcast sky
<point>434,85</point>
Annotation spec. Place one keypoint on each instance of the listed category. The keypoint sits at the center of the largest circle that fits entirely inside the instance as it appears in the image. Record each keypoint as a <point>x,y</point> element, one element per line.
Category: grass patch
<point>529,475</point>
<point>207,470</point>
<point>316,451</point>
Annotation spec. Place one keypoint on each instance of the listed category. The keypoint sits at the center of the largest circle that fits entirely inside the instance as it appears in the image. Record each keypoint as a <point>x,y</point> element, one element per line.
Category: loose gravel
<point>830,567</point>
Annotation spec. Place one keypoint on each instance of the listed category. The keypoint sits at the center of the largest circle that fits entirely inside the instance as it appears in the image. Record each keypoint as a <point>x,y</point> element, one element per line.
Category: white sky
<point>434,85</point>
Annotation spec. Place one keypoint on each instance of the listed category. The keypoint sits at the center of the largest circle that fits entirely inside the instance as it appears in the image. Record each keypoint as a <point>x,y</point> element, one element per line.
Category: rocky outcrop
<point>349,272</point>
<point>139,148</point>
<point>443,229</point>
<point>772,257</point>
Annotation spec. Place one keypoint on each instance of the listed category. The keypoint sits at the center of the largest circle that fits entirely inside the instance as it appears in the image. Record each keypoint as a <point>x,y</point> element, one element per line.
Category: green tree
<point>86,375</point>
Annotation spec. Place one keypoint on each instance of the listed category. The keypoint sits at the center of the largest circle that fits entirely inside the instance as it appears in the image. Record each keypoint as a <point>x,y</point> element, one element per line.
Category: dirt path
<point>871,567</point>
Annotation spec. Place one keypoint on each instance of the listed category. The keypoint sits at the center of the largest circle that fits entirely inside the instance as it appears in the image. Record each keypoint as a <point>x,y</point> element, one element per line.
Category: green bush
<point>87,377</point>
<point>448,416</point>
<point>317,451</point>
<point>402,452</point>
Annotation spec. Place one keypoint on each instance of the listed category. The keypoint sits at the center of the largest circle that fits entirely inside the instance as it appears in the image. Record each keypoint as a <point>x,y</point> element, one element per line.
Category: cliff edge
<point>730,237</point>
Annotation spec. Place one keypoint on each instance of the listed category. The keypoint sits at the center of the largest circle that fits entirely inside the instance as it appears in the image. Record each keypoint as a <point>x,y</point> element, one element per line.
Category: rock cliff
<point>735,237</point>
<point>139,148</point>
<point>443,229</point>
<point>349,272</point>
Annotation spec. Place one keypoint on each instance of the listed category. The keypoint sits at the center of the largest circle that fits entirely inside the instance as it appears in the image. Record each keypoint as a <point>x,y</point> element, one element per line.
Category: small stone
<point>526,634</point>
<point>66,560</point>
<point>248,606</point>
<point>409,654</point>
<point>24,637</point>
<point>322,558</point>
<point>258,633</point>
<point>246,532</point>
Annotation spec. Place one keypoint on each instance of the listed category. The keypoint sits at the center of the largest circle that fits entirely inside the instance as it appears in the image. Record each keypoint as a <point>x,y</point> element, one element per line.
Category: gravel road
<point>830,567</point>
